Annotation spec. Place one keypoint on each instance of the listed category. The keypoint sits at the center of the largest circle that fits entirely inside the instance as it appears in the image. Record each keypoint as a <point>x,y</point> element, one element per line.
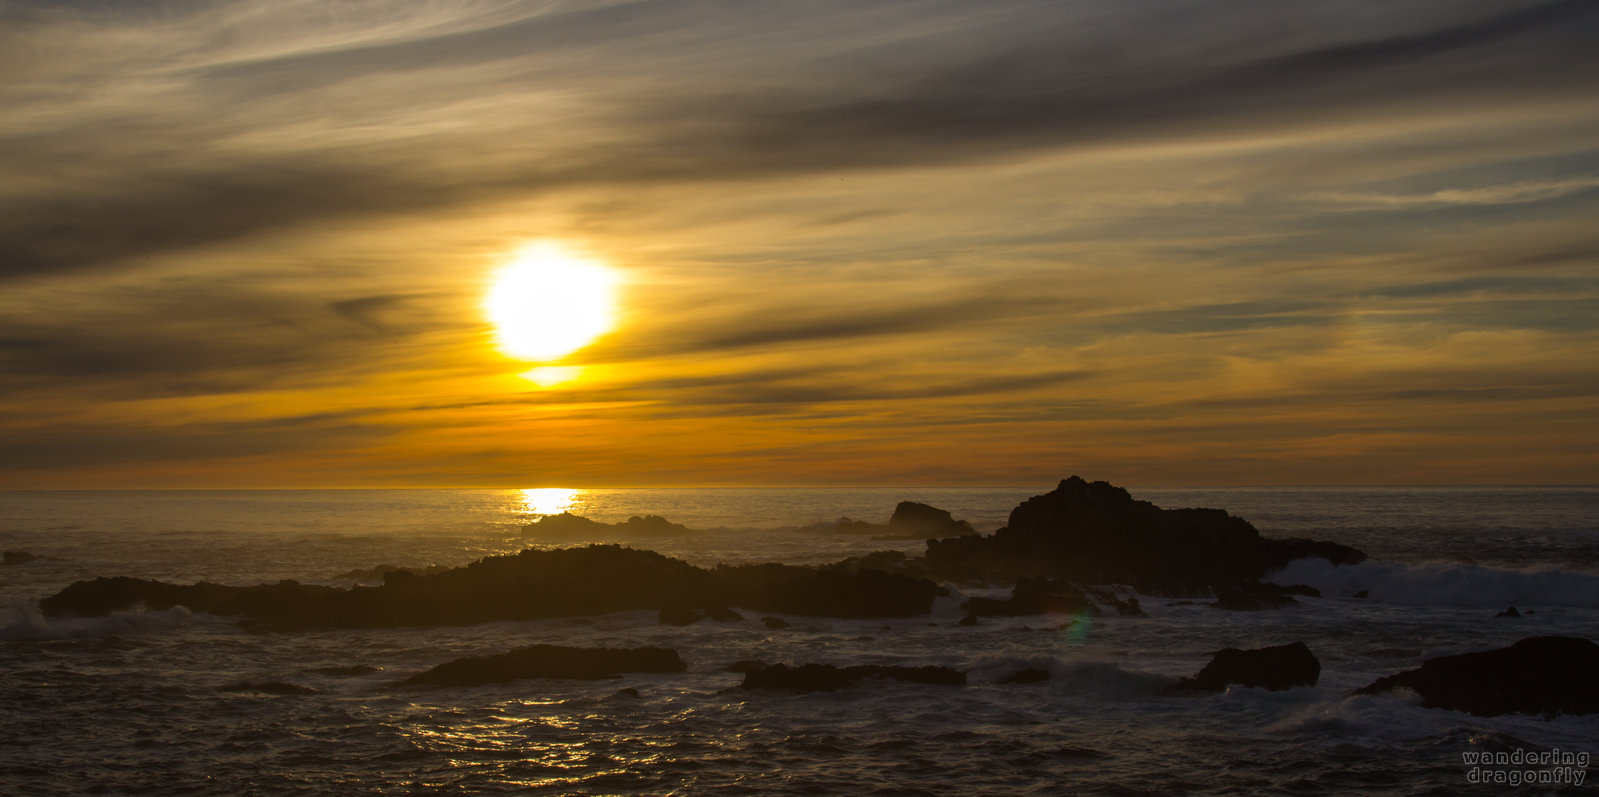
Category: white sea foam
<point>1444,583</point>
<point>27,622</point>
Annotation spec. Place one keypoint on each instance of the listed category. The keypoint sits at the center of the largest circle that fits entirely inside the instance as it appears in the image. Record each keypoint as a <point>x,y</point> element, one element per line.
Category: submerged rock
<point>828,678</point>
<point>548,661</point>
<point>1029,675</point>
<point>16,558</point>
<point>1510,612</point>
<point>1274,668</point>
<point>1538,675</point>
<point>722,614</point>
<point>679,616</point>
<point>776,623</point>
<point>1096,533</point>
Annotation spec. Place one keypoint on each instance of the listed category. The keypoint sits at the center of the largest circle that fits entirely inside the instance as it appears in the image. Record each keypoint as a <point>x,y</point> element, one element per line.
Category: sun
<point>547,303</point>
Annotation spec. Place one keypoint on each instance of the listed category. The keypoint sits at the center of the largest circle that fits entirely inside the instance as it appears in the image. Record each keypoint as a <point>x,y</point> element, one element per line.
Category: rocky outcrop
<point>1096,533</point>
<point>1274,668</point>
<point>828,678</point>
<point>911,519</point>
<point>1035,596</point>
<point>567,524</point>
<point>1538,675</point>
<point>548,661</point>
<point>597,579</point>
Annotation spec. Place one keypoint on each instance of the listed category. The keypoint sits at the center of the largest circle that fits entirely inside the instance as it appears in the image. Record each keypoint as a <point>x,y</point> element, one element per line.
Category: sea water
<point>167,702</point>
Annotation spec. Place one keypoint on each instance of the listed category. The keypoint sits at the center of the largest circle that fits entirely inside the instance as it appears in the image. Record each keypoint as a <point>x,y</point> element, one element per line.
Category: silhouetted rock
<point>381,572</point>
<point>1510,612</point>
<point>597,579</point>
<point>911,519</point>
<point>269,688</point>
<point>745,665</point>
<point>828,678</point>
<point>548,661</point>
<point>1035,596</point>
<point>353,669</point>
<point>16,557</point>
<point>1095,533</point>
<point>1124,608</point>
<point>846,525</point>
<point>1030,675</point>
<point>776,623</point>
<point>722,614</point>
<point>1274,668</point>
<point>969,620</point>
<point>569,525</point>
<point>1538,675</point>
<point>679,616</point>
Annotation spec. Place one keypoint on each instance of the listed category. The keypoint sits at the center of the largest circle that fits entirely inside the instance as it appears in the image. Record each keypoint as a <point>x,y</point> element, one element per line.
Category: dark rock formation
<point>351,670</point>
<point>1095,533</point>
<point>597,579</point>
<point>679,616</point>
<point>1538,675</point>
<point>745,666</point>
<point>1510,612</point>
<point>722,614</point>
<point>1030,675</point>
<point>16,558</point>
<point>1035,596</point>
<point>776,623</point>
<point>567,524</point>
<point>1275,668</point>
<point>828,678</point>
<point>911,519</point>
<point>846,525</point>
<point>968,620</point>
<point>548,661</point>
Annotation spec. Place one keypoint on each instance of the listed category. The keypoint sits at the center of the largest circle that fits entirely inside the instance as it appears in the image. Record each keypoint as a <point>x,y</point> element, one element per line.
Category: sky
<point>1172,242</point>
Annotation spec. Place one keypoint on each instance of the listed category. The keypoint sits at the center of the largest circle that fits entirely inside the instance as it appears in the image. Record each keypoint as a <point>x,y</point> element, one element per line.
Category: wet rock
<point>679,616</point>
<point>548,661</point>
<point>969,620</point>
<point>1538,675</point>
<point>828,678</point>
<point>1274,668</point>
<point>1124,608</point>
<point>1510,612</point>
<point>16,558</point>
<point>1030,675</point>
<point>776,623</point>
<point>914,520</point>
<point>1035,596</point>
<point>1096,533</point>
<point>722,614</point>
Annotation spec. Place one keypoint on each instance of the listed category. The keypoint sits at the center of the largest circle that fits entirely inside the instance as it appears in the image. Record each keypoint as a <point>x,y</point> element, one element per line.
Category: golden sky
<point>1182,242</point>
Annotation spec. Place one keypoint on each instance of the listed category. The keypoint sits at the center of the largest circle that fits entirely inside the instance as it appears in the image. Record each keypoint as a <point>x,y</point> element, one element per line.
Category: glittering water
<point>162,702</point>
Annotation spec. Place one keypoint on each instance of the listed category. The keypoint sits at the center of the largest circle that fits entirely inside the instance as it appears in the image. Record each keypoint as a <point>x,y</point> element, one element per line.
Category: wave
<point>1444,583</point>
<point>1068,674</point>
<point>26,622</point>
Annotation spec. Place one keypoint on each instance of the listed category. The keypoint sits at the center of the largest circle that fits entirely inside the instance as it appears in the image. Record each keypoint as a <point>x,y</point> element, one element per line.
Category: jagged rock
<point>591,580</point>
<point>1124,608</point>
<point>1510,612</point>
<point>1538,675</point>
<point>567,524</point>
<point>1029,675</point>
<point>914,520</point>
<point>679,616</point>
<point>16,558</point>
<point>776,623</point>
<point>828,678</point>
<point>548,661</point>
<point>722,614</point>
<point>269,688</point>
<point>1274,668</point>
<point>1095,533</point>
<point>1035,596</point>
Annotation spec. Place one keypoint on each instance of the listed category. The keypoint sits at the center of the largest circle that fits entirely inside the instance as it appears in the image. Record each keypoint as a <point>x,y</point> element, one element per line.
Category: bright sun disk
<point>547,303</point>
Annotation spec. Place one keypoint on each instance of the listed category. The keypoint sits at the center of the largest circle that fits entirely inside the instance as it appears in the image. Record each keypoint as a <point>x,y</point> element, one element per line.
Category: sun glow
<point>547,303</point>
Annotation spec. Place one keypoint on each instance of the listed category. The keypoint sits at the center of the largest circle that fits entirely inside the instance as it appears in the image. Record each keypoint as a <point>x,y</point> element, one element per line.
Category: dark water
<point>147,702</point>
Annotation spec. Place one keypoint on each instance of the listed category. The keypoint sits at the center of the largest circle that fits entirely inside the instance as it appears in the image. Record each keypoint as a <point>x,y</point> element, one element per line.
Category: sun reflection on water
<point>550,500</point>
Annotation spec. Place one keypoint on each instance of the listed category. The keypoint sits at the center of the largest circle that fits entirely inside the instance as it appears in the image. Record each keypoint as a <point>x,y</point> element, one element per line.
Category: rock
<point>567,582</point>
<point>1274,668</point>
<point>828,678</point>
<point>1538,675</point>
<point>969,620</point>
<point>351,670</point>
<point>845,525</point>
<point>1035,596</point>
<point>626,691</point>
<point>1510,612</point>
<point>1365,593</point>
<point>17,558</point>
<point>269,688</point>
<point>722,614</point>
<point>548,661</point>
<point>567,524</point>
<point>914,520</point>
<point>745,665</point>
<point>679,616</point>
<point>1124,608</point>
<point>1030,675</point>
<point>1095,533</point>
<point>776,623</point>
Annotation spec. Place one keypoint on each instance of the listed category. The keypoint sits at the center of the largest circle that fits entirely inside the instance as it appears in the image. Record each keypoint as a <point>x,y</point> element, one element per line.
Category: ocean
<point>174,702</point>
